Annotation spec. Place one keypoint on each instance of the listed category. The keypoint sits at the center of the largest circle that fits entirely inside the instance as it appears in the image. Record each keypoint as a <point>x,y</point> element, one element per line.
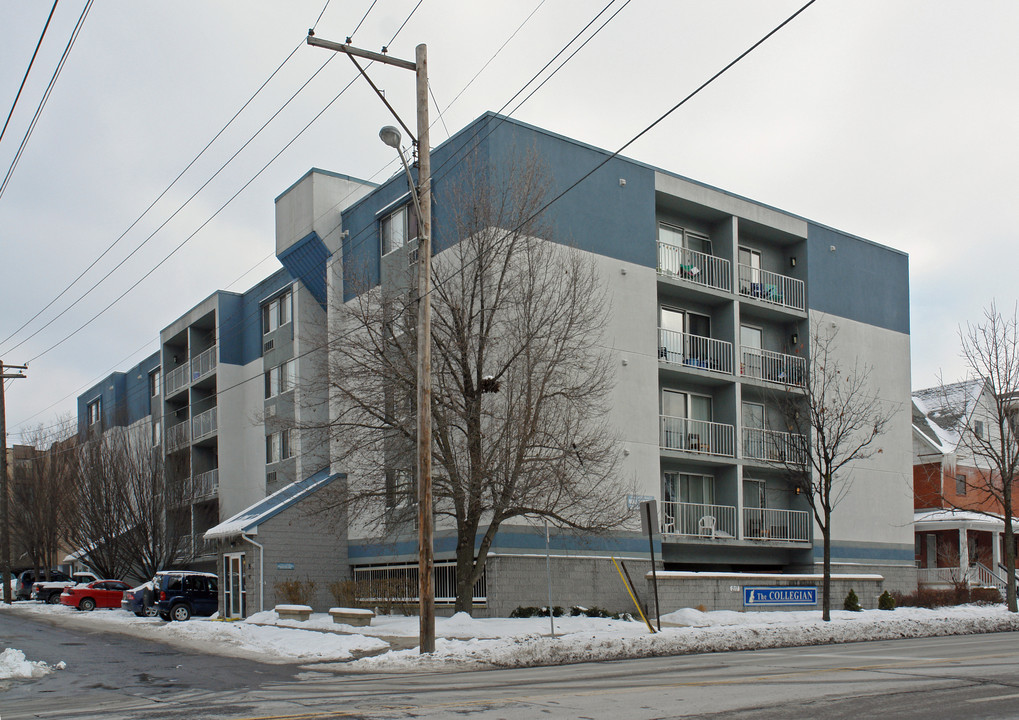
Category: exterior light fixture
<point>795,339</point>
<point>390,136</point>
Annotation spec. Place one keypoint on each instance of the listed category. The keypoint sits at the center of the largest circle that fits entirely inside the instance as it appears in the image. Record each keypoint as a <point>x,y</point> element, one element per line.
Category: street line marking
<point>992,699</point>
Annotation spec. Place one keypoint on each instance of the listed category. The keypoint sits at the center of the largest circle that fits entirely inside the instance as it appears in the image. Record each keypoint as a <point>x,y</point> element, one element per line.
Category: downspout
<point>261,571</point>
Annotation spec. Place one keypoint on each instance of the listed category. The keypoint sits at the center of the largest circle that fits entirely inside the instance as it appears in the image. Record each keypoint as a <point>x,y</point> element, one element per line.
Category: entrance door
<point>234,594</point>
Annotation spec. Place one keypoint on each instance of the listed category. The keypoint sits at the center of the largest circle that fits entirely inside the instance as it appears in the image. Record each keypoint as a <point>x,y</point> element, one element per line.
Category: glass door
<point>750,339</point>
<point>750,272</point>
<point>234,600</point>
<point>753,430</point>
<point>673,325</point>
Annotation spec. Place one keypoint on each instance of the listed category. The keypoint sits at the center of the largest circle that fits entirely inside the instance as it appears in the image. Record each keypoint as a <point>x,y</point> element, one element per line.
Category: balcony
<point>177,379</point>
<point>770,524</point>
<point>196,546</point>
<point>177,436</point>
<point>206,484</point>
<point>698,520</point>
<point>771,287</point>
<point>697,436</point>
<point>203,364</point>
<point>773,366</point>
<point>694,267</point>
<point>774,446</point>
<point>203,424</point>
<point>694,351</point>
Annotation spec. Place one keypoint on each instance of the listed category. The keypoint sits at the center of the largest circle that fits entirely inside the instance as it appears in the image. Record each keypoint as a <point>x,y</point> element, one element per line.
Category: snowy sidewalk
<point>469,643</point>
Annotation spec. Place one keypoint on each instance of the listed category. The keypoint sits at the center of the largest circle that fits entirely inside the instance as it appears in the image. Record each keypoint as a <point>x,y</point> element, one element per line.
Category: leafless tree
<point>39,493</point>
<point>990,350</point>
<point>520,380</point>
<point>842,417</point>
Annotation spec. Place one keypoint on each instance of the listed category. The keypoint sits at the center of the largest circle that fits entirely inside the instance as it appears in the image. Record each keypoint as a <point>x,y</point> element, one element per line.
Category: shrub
<point>852,602</point>
<point>295,592</point>
<point>930,598</point>
<point>886,601</point>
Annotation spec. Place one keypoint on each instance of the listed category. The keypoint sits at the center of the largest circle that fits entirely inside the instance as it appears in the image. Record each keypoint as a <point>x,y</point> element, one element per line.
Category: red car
<point>98,594</point>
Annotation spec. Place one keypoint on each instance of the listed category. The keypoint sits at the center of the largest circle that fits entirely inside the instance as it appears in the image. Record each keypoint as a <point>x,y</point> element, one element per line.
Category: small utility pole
<point>426,590</point>
<point>5,531</point>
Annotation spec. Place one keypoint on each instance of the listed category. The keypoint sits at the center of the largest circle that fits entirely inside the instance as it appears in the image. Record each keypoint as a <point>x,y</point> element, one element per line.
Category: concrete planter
<point>352,616</point>
<point>293,612</point>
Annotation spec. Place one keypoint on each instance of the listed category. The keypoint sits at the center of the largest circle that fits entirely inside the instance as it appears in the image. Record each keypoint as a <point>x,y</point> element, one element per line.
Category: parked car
<point>49,591</point>
<point>183,593</point>
<point>27,579</point>
<point>135,600</point>
<point>98,594</point>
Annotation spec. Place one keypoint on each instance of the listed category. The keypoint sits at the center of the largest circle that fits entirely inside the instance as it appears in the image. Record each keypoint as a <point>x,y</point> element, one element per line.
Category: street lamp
<point>391,136</point>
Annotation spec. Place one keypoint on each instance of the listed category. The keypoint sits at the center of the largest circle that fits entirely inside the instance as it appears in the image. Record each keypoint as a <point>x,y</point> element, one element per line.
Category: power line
<point>30,63</point>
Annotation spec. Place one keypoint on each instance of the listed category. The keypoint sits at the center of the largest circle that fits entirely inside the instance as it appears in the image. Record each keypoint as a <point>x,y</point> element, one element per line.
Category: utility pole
<point>426,590</point>
<point>5,532</point>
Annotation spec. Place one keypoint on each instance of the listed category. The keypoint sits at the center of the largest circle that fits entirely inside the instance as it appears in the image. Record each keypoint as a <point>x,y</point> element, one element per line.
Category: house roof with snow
<point>951,518</point>
<point>941,414</point>
<point>248,520</point>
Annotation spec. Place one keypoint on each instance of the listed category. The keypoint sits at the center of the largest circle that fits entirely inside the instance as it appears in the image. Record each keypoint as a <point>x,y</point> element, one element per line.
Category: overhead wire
<point>29,70</point>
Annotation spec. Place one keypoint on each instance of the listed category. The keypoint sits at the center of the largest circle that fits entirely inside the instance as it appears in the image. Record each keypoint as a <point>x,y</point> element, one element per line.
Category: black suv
<point>23,590</point>
<point>179,594</point>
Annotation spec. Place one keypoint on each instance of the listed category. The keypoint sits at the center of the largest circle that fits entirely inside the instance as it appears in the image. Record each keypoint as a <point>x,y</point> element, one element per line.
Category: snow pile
<point>13,665</point>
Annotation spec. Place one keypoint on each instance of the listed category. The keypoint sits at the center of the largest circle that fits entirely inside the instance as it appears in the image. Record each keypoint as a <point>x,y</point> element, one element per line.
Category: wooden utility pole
<point>5,518</point>
<point>423,200</point>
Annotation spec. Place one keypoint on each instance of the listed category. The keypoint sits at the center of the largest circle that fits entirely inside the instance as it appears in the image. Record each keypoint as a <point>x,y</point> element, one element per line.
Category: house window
<point>978,429</point>
<point>154,383</point>
<point>95,411</point>
<point>960,484</point>
<point>394,231</point>
<point>280,379</point>
<point>277,312</point>
<point>279,446</point>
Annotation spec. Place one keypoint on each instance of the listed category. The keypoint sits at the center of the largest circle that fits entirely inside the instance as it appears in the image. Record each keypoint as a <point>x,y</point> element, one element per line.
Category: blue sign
<point>754,596</point>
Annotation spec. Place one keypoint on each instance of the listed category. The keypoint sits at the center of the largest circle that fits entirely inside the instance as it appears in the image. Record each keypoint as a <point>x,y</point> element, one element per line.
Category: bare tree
<point>990,350</point>
<point>520,381</point>
<point>842,417</point>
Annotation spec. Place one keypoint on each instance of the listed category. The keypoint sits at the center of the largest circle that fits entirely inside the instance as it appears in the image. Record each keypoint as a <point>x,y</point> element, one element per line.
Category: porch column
<point>963,553</point>
<point>995,551</point>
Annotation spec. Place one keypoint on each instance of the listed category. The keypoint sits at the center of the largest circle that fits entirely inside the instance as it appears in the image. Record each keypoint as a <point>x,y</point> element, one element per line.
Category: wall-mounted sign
<point>753,596</point>
<point>284,566</point>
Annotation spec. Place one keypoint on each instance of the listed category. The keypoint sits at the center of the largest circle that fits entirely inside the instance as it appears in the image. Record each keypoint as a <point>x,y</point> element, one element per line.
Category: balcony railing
<point>203,363</point>
<point>771,287</point>
<point>694,266</point>
<point>697,436</point>
<point>939,576</point>
<point>771,524</point>
<point>177,436</point>
<point>203,424</point>
<point>694,351</point>
<point>196,546</point>
<point>773,366</point>
<point>774,446</point>
<point>207,483</point>
<point>177,378</point>
<point>698,519</point>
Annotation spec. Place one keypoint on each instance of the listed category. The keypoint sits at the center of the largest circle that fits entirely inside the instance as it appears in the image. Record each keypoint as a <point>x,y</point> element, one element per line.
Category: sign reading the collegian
<point>753,596</point>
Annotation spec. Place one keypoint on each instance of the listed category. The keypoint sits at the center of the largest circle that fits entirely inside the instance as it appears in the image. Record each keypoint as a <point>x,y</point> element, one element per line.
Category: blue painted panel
<point>849,552</point>
<point>240,319</point>
<point>306,260</point>
<point>124,396</point>
<point>876,289</point>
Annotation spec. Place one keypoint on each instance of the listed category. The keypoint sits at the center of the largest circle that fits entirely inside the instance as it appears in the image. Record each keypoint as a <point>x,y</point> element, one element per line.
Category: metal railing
<point>694,351</point>
<point>176,379</point>
<point>399,583</point>
<point>177,436</point>
<point>697,436</point>
<point>207,483</point>
<point>774,446</point>
<point>771,287</point>
<point>774,524</point>
<point>203,424</point>
<point>694,266</point>
<point>698,519</point>
<point>773,366</point>
<point>197,546</point>
<point>203,363</point>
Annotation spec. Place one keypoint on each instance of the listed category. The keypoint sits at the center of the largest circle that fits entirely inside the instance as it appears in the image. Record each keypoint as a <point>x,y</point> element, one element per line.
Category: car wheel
<point>87,604</point>
<point>53,598</point>
<point>180,613</point>
<point>149,611</point>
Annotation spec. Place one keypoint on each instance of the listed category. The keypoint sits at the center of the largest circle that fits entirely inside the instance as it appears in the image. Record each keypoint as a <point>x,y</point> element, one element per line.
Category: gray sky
<point>895,121</point>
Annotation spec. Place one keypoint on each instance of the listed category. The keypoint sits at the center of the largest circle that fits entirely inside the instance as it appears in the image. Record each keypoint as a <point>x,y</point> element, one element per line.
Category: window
<point>749,271</point>
<point>154,383</point>
<point>156,426</point>
<point>280,379</point>
<point>279,446</point>
<point>978,429</point>
<point>394,231</point>
<point>95,411</point>
<point>960,484</point>
<point>277,312</point>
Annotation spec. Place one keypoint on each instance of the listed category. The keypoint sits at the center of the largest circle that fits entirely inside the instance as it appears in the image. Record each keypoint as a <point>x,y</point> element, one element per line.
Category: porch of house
<point>955,547</point>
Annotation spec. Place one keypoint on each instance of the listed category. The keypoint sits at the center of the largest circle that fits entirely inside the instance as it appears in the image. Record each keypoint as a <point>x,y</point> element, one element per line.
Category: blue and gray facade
<point>713,298</point>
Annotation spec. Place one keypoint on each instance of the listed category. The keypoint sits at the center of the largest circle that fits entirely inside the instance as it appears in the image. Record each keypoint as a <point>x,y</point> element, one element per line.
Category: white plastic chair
<point>707,523</point>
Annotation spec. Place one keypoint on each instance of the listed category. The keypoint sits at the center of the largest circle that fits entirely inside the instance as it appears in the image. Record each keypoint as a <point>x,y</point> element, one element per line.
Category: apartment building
<point>712,300</point>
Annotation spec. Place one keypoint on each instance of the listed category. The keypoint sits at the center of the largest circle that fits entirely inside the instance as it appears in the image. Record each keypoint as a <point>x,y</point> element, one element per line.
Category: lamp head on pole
<point>390,136</point>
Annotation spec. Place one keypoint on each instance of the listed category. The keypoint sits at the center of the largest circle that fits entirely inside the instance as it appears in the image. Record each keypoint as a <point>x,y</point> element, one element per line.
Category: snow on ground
<point>13,665</point>
<point>473,643</point>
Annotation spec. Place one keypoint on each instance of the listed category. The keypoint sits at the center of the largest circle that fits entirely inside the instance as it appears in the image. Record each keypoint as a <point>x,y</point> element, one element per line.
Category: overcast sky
<point>895,121</point>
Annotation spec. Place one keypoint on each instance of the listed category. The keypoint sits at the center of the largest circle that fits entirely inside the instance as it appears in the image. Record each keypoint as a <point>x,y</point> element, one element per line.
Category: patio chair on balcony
<point>706,526</point>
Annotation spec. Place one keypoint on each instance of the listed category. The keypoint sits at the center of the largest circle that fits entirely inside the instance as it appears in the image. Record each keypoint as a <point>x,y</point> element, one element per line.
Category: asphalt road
<point>120,677</point>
